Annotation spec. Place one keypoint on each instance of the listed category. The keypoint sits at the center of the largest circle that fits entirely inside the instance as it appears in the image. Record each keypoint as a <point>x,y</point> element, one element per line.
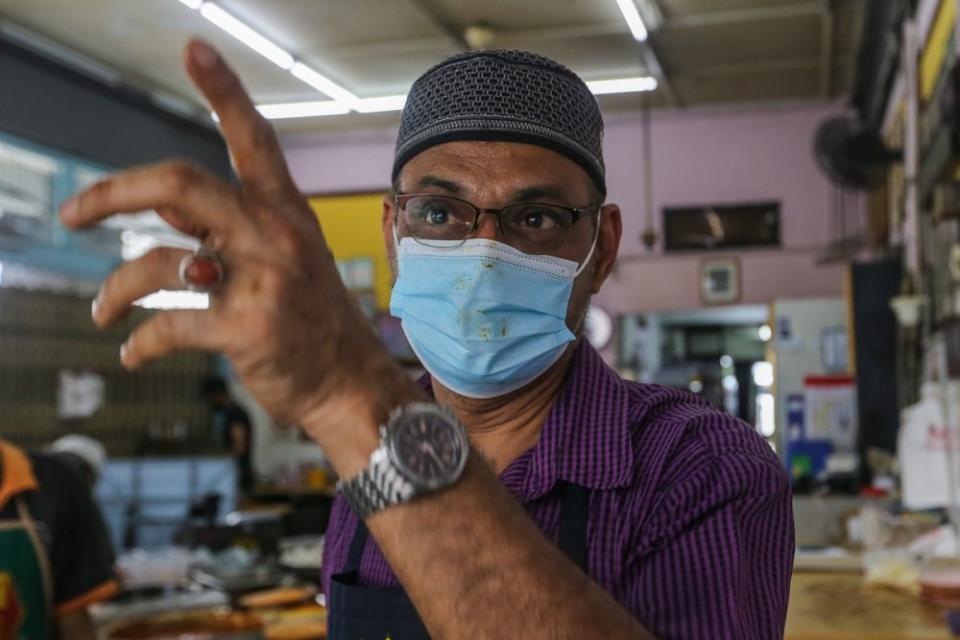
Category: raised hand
<point>294,334</point>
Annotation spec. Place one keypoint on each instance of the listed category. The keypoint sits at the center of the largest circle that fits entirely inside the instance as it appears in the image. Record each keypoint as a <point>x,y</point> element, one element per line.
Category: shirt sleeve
<point>715,559</point>
<point>81,555</point>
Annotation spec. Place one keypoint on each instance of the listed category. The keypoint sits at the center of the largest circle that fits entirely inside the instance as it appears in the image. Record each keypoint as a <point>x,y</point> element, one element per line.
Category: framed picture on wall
<point>720,280</point>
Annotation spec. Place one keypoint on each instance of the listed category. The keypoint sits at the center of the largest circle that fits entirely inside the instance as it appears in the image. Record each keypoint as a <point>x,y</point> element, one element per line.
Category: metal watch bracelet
<point>377,487</point>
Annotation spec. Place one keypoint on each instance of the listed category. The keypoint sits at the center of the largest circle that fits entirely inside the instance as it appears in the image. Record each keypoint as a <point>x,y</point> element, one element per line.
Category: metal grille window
<point>26,193</point>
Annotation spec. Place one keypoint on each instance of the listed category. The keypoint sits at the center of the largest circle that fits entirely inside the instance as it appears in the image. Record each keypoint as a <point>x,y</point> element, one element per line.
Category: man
<point>233,429</point>
<point>620,511</point>
<point>55,556</point>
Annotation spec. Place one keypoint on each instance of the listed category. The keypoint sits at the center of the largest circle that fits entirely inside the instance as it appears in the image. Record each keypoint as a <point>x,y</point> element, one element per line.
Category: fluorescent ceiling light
<point>246,35</point>
<point>383,103</point>
<point>303,109</point>
<point>321,83</point>
<point>396,102</point>
<point>634,21</point>
<point>273,52</point>
<point>343,100</point>
<point>622,85</point>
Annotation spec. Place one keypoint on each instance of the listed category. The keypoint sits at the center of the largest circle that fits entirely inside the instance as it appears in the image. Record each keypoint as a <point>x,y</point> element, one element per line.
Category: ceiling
<point>711,51</point>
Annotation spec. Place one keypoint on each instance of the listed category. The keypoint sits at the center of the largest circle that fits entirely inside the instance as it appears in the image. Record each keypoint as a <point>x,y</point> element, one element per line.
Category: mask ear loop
<point>593,245</point>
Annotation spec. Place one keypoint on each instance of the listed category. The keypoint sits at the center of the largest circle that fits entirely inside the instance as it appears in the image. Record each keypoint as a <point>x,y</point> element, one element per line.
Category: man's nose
<point>488,227</point>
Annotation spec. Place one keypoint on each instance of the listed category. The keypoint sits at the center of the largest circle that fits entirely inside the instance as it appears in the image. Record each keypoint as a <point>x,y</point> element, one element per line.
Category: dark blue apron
<point>357,612</point>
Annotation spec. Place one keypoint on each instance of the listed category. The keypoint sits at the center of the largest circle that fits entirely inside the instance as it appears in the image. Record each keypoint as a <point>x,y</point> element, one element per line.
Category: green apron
<point>25,596</point>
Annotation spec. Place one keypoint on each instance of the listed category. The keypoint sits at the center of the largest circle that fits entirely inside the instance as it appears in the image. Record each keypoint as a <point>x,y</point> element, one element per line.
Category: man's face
<point>492,175</point>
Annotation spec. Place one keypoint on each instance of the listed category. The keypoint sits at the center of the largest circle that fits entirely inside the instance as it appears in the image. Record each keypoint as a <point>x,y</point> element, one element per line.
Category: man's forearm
<point>474,563</point>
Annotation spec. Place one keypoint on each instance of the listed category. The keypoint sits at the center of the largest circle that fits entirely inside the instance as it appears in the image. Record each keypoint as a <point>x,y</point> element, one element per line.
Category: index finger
<point>253,146</point>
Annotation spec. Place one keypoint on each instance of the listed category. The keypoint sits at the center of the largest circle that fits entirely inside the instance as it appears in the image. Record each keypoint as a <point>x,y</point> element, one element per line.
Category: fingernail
<point>123,354</point>
<point>204,55</point>
<point>95,305</point>
<point>69,208</point>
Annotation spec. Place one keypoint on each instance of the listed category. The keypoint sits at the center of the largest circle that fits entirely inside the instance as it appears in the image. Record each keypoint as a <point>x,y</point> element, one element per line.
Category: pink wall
<point>720,156</point>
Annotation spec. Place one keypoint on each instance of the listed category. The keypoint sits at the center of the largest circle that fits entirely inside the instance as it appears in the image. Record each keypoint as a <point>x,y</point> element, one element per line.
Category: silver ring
<point>202,271</point>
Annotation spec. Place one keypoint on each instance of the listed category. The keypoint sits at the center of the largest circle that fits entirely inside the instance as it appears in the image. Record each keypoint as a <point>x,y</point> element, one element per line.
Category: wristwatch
<point>423,448</point>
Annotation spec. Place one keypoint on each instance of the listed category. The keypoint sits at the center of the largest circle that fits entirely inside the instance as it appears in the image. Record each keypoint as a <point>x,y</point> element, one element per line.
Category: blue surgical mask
<point>483,318</point>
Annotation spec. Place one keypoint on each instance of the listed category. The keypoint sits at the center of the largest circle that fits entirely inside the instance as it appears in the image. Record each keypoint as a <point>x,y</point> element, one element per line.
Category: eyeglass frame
<point>400,200</point>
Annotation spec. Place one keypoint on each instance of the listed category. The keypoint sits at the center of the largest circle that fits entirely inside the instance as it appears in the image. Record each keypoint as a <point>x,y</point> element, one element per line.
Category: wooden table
<point>837,606</point>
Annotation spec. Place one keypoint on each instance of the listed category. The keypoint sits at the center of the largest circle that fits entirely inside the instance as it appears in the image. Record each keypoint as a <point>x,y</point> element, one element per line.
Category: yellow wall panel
<point>935,51</point>
<point>351,224</point>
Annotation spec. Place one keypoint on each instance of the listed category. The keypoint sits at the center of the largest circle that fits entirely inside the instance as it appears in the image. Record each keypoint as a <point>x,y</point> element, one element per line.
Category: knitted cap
<point>514,96</point>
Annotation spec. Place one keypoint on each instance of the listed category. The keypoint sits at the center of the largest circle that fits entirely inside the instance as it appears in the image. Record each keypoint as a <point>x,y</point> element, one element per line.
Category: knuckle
<point>97,193</point>
<point>288,240</point>
<point>156,258</point>
<point>272,282</point>
<point>164,329</point>
<point>108,286</point>
<point>260,328</point>
<point>262,131</point>
<point>179,176</point>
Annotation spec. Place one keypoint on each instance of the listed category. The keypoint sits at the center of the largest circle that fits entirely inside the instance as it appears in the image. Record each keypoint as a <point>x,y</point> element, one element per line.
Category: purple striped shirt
<point>691,524</point>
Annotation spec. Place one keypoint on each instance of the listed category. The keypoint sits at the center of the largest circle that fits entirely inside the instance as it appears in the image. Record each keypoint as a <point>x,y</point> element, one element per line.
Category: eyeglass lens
<point>532,227</point>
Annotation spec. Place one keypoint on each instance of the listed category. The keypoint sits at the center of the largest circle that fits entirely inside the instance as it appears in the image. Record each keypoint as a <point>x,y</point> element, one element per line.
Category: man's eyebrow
<point>440,183</point>
<point>551,191</point>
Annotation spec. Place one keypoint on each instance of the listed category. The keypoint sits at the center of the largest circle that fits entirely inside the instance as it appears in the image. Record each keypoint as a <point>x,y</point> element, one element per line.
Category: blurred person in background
<point>85,454</point>
<point>233,429</point>
<point>56,557</point>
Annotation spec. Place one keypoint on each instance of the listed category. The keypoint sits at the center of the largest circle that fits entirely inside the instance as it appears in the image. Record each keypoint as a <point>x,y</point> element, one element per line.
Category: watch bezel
<point>411,412</point>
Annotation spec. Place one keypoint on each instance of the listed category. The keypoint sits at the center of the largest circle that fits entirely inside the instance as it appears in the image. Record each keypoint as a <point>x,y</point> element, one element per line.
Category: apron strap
<point>40,550</point>
<point>574,514</point>
<point>357,545</point>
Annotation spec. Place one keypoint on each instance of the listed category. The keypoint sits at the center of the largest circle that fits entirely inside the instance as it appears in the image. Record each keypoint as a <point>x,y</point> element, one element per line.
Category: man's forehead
<point>471,165</point>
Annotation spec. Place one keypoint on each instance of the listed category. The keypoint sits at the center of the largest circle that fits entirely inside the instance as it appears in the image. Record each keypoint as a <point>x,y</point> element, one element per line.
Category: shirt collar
<point>585,439</point>
<point>16,473</point>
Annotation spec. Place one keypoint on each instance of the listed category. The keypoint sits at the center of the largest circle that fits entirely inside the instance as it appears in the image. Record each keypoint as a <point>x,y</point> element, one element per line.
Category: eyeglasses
<point>531,227</point>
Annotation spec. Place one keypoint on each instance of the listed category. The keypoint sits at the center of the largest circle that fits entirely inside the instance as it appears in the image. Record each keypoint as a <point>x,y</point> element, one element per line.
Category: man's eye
<point>538,219</point>
<point>436,216</point>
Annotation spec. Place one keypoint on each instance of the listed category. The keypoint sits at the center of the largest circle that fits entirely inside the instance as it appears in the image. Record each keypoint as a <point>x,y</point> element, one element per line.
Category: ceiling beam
<point>448,26</point>
<point>652,63</point>
<point>735,16</point>
<point>561,33</point>
<point>762,66</point>
<point>502,38</point>
<point>384,48</point>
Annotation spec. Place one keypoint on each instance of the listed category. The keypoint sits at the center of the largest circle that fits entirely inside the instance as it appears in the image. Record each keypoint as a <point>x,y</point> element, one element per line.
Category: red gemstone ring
<point>201,271</point>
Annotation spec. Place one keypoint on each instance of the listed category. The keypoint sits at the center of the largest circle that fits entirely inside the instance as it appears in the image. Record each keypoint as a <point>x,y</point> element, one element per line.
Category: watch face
<point>428,446</point>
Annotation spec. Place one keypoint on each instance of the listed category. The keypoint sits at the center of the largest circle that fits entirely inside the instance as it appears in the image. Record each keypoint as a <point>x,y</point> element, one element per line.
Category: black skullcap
<point>515,96</point>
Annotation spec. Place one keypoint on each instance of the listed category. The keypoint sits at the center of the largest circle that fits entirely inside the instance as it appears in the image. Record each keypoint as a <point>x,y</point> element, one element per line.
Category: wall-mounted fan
<point>852,156</point>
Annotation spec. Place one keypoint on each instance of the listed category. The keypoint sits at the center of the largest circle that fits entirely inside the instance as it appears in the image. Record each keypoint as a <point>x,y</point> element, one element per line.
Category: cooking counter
<point>837,606</point>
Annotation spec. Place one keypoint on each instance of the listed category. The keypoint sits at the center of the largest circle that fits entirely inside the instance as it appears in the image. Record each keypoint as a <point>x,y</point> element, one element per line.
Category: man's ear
<point>386,223</point>
<point>608,245</point>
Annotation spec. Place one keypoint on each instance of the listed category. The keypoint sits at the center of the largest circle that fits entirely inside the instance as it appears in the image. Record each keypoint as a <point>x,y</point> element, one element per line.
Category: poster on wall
<point>720,281</point>
<point>831,410</point>
<point>79,394</point>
